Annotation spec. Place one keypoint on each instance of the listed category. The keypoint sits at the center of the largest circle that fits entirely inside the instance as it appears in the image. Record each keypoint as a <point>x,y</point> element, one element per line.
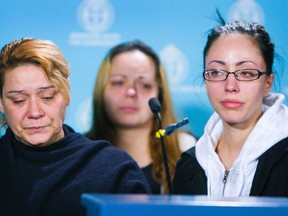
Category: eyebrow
<point>115,75</point>
<point>125,76</point>
<point>21,91</point>
<point>237,64</point>
<point>243,62</point>
<point>217,61</point>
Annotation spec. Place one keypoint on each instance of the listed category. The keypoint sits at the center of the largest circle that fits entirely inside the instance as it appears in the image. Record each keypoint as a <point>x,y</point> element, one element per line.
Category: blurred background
<point>176,29</point>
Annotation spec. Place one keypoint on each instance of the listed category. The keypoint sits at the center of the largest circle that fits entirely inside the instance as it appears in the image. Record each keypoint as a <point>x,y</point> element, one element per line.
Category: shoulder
<point>111,166</point>
<point>104,149</point>
<point>186,140</point>
<point>275,159</point>
<point>277,151</point>
<point>188,160</point>
<point>117,167</point>
<point>188,164</point>
<point>271,177</point>
<point>189,176</point>
<point>97,150</point>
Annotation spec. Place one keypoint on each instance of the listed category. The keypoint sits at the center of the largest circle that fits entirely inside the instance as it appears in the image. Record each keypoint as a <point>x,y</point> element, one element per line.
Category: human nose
<point>231,83</point>
<point>131,91</point>
<point>34,109</point>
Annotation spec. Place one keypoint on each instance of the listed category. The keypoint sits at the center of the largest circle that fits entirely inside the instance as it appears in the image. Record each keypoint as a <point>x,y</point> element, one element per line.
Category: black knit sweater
<point>49,180</point>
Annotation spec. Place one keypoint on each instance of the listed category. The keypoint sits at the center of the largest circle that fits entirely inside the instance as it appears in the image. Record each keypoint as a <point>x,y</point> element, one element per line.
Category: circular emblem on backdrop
<point>248,10</point>
<point>83,116</point>
<point>95,15</point>
<point>175,64</point>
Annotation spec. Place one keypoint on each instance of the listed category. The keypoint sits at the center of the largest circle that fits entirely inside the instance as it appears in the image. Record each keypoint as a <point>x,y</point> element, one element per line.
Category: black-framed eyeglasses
<point>217,75</point>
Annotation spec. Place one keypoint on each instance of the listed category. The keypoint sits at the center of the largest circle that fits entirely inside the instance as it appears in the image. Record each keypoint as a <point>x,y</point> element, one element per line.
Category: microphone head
<point>154,105</point>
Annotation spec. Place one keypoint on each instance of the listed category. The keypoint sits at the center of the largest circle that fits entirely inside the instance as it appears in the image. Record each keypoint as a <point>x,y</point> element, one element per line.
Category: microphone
<point>171,128</point>
<point>155,107</point>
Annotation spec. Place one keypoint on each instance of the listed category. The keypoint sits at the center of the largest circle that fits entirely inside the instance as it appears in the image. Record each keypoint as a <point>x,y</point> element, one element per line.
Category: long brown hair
<point>102,128</point>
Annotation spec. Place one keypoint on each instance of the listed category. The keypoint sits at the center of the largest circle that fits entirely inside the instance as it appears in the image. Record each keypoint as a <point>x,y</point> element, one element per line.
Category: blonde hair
<point>102,128</point>
<point>42,53</point>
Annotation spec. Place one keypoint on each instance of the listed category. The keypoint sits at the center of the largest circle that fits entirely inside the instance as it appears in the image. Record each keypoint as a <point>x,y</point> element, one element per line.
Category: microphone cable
<point>155,107</point>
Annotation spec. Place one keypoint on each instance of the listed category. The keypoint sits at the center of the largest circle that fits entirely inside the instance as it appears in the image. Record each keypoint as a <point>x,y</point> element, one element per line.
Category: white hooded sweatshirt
<point>271,128</point>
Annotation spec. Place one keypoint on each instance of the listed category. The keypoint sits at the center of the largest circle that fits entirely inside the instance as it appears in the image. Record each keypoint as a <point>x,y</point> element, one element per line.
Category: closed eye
<point>48,98</point>
<point>18,101</point>
<point>146,86</point>
<point>117,83</point>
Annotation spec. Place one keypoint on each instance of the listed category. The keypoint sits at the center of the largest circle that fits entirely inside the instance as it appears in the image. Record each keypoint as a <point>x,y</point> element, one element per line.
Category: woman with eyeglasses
<point>244,148</point>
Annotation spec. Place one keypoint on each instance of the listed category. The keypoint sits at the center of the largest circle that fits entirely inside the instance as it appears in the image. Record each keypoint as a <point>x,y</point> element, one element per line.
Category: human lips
<point>231,104</point>
<point>128,109</point>
<point>35,129</point>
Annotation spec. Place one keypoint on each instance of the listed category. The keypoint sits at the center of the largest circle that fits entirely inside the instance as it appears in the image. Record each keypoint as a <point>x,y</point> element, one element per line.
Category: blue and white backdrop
<point>86,29</point>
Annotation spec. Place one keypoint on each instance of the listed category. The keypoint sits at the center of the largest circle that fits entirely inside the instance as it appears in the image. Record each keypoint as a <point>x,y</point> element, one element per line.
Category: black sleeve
<point>189,177</point>
<point>271,177</point>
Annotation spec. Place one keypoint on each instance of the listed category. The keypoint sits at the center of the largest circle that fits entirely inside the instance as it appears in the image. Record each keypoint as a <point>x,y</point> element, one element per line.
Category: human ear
<point>1,106</point>
<point>268,84</point>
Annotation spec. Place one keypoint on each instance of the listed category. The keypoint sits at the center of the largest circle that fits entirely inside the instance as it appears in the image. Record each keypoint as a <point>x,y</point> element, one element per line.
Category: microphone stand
<point>164,155</point>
